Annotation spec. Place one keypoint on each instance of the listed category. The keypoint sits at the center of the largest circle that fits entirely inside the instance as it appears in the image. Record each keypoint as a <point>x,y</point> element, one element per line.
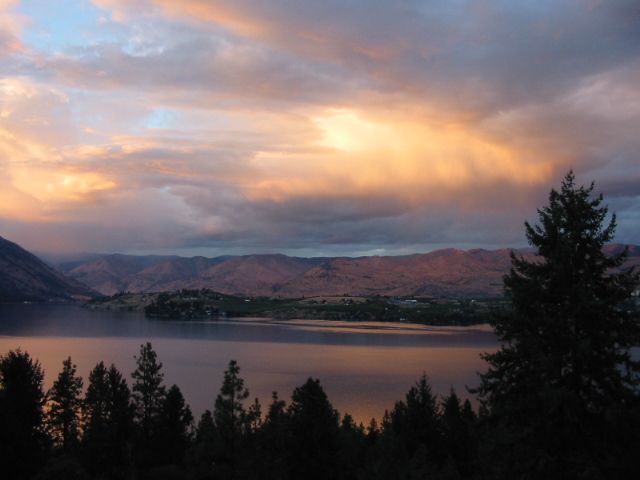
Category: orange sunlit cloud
<point>156,124</point>
<point>409,160</point>
<point>53,185</point>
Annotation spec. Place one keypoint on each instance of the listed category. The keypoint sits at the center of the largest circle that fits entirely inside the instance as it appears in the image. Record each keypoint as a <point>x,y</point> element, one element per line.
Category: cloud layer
<point>323,128</point>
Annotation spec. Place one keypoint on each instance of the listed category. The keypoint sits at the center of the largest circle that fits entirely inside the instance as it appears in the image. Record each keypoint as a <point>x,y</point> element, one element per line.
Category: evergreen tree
<point>352,447</point>
<point>274,440</point>
<point>173,428</point>
<point>563,389</point>
<point>458,423</point>
<point>63,416</point>
<point>108,418</point>
<point>253,419</point>
<point>121,416</point>
<point>230,419</point>
<point>148,398</point>
<point>23,443</point>
<point>148,391</point>
<point>412,435</point>
<point>95,412</point>
<point>202,454</point>
<point>96,402</point>
<point>314,433</point>
<point>415,420</point>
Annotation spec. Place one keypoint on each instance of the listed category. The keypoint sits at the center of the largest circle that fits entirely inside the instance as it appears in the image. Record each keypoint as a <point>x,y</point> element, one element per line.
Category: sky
<point>353,127</point>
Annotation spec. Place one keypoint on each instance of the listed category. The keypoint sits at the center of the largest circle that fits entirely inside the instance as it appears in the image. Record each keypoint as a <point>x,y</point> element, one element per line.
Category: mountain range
<point>448,272</point>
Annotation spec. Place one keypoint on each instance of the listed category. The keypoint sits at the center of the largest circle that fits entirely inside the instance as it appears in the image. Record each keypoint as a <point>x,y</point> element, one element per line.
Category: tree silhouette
<point>202,454</point>
<point>412,435</point>
<point>108,419</point>
<point>314,433</point>
<point>22,438</point>
<point>564,374</point>
<point>65,401</point>
<point>120,413</point>
<point>173,429</point>
<point>148,399</point>
<point>306,439</point>
<point>352,447</point>
<point>274,440</point>
<point>458,425</point>
<point>148,391</point>
<point>230,418</point>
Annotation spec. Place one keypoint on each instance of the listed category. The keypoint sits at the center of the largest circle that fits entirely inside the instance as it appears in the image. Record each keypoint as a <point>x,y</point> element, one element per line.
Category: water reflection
<point>363,367</point>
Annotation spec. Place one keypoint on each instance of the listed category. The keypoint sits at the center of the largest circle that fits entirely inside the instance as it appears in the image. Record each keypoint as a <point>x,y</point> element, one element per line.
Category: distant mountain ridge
<point>24,277</point>
<point>449,272</point>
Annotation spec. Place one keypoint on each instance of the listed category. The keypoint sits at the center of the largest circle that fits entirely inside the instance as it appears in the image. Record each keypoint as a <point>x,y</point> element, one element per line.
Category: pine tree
<point>23,442</point>
<point>148,397</point>
<point>314,426</point>
<point>564,371</point>
<point>120,414</point>
<point>148,390</point>
<point>96,403</point>
<point>274,440</point>
<point>352,447</point>
<point>458,430</point>
<point>108,420</point>
<point>230,418</point>
<point>95,413</point>
<point>173,429</point>
<point>413,428</point>
<point>64,404</point>
<point>202,454</point>
<point>253,418</point>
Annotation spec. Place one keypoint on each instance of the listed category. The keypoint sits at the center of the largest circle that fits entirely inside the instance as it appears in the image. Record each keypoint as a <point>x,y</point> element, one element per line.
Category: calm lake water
<point>364,367</point>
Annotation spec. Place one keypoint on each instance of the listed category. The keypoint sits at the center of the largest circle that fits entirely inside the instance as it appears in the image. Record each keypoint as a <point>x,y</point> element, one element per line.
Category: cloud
<point>11,25</point>
<point>37,177</point>
<point>318,127</point>
<point>484,54</point>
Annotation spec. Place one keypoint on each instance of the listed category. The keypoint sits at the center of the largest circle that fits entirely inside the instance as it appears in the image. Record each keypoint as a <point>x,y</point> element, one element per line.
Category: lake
<point>364,367</point>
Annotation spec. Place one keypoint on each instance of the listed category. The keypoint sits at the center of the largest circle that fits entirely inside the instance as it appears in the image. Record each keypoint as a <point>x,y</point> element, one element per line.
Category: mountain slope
<point>449,272</point>
<point>445,272</point>
<point>110,274</point>
<point>23,276</point>
<point>250,274</point>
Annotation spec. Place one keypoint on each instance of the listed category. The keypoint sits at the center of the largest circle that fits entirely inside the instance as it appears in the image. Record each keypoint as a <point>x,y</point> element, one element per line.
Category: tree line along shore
<point>187,304</point>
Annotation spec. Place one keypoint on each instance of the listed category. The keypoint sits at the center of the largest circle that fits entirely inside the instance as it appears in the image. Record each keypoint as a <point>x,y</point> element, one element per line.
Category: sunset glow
<point>247,126</point>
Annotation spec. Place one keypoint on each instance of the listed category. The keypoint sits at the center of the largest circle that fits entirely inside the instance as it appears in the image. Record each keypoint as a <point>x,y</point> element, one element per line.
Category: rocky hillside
<point>446,272</point>
<point>449,272</point>
<point>24,277</point>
